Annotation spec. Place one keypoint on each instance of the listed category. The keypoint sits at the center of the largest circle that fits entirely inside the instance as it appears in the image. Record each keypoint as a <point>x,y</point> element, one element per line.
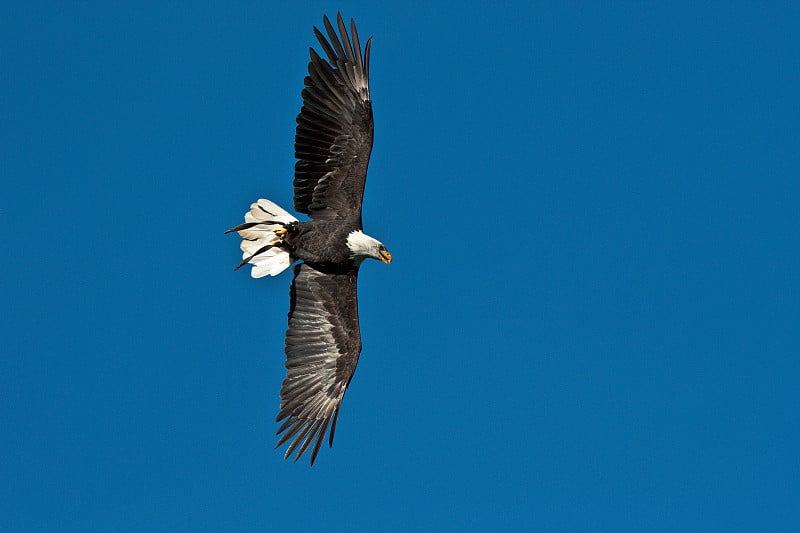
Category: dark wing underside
<point>323,343</point>
<point>334,128</point>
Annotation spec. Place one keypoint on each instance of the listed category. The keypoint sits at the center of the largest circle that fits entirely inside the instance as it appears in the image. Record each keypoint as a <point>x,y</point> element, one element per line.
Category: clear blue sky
<point>591,322</point>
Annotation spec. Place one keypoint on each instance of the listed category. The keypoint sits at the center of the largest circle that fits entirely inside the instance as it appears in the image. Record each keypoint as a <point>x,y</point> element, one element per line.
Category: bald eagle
<point>333,142</point>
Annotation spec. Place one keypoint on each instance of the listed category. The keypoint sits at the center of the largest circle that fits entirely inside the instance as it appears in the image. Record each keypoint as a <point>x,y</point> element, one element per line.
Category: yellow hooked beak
<point>386,257</point>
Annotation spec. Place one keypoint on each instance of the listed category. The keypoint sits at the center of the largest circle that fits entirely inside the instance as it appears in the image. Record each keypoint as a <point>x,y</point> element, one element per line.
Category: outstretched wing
<point>323,343</point>
<point>334,128</point>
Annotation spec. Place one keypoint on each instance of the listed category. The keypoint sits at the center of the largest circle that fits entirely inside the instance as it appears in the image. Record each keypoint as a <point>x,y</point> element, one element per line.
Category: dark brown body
<point>320,241</point>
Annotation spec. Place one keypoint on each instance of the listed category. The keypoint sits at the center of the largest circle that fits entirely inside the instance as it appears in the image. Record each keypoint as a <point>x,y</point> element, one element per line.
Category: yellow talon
<point>280,232</point>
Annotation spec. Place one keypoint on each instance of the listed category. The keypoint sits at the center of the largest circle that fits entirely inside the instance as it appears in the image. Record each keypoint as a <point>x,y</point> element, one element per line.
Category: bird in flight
<point>333,143</point>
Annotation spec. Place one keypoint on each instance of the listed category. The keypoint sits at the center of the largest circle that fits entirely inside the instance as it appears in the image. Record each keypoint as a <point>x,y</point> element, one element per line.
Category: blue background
<point>591,322</point>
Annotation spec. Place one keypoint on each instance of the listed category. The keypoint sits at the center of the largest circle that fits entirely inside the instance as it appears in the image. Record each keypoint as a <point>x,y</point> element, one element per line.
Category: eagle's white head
<point>363,246</point>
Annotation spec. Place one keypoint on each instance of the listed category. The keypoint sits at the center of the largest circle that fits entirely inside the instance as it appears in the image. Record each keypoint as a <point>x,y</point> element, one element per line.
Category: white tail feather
<point>274,260</point>
<point>270,263</point>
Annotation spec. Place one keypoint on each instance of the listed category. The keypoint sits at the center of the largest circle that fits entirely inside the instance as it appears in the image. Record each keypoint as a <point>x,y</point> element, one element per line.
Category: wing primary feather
<point>320,438</point>
<point>325,45</point>
<point>333,427</point>
<point>334,39</point>
<point>367,48</point>
<point>309,439</point>
<point>348,48</point>
<point>285,425</point>
<point>356,44</point>
<point>298,424</point>
<point>298,440</point>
